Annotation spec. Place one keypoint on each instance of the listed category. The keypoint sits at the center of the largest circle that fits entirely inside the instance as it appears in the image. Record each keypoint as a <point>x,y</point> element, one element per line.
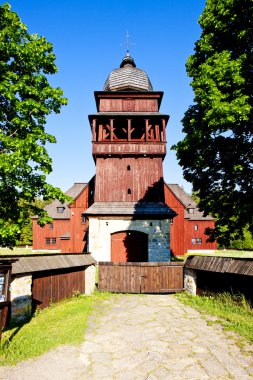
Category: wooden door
<point>129,246</point>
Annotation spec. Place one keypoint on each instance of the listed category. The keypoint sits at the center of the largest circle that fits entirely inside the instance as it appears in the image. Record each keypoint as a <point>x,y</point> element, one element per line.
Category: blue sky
<point>87,38</point>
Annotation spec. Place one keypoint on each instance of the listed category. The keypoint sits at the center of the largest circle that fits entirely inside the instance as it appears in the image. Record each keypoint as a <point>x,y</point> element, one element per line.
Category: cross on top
<point>127,43</point>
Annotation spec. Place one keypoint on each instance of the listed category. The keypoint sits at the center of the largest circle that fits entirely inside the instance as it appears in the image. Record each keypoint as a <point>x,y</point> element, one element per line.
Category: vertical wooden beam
<point>157,132</point>
<point>94,123</point>
<point>146,129</point>
<point>129,121</point>
<point>100,132</point>
<point>111,129</point>
<point>164,130</point>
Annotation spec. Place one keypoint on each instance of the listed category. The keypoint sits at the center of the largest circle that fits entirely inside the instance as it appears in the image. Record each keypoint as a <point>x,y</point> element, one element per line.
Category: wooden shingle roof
<point>130,208</point>
<point>188,203</point>
<point>73,192</point>
<point>128,78</point>
<point>220,264</point>
<point>38,263</point>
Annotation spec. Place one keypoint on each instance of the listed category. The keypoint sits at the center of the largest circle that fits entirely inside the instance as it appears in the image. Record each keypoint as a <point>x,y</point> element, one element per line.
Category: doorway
<point>129,246</point>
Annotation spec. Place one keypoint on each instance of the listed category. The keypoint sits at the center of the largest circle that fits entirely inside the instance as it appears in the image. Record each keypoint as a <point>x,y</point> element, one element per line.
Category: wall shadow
<point>150,206</point>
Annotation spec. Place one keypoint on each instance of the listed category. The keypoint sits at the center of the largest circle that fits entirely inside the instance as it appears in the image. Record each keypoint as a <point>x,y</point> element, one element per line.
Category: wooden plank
<point>141,277</point>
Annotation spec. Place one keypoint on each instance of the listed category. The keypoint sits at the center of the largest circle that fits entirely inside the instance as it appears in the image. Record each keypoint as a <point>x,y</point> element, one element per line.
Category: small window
<point>84,219</point>
<point>50,240</point>
<point>128,167</point>
<point>171,221</point>
<point>60,210</point>
<point>191,210</point>
<point>51,226</point>
<point>199,240</point>
<point>129,191</point>
<point>196,227</point>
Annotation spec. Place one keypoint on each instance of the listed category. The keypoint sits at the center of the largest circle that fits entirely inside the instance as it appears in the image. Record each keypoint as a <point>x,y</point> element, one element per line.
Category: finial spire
<point>127,41</point>
<point>127,44</point>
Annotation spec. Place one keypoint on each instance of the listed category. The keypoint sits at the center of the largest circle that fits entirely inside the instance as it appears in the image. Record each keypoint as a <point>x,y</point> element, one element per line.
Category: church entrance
<point>129,246</point>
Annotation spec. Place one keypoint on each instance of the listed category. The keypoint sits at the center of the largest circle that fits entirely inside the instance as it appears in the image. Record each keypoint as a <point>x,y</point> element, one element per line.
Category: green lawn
<point>20,251</point>
<point>233,312</point>
<point>61,323</point>
<point>222,253</point>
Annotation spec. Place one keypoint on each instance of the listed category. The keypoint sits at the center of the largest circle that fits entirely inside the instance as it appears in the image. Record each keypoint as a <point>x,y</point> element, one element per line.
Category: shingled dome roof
<point>128,78</point>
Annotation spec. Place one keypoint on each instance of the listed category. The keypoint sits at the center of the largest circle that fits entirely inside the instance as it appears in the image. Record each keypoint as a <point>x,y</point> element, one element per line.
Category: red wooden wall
<point>77,227</point>
<point>74,226</point>
<point>177,239</point>
<point>60,227</point>
<point>182,230</point>
<point>128,102</point>
<point>143,179</point>
<point>200,233</point>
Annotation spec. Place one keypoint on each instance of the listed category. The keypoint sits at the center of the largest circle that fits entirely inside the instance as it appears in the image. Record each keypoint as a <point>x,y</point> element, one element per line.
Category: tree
<point>26,232</point>
<point>216,153</point>
<point>26,98</point>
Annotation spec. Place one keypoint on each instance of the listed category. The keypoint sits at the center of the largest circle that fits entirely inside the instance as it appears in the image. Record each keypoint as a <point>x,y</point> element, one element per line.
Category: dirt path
<point>143,337</point>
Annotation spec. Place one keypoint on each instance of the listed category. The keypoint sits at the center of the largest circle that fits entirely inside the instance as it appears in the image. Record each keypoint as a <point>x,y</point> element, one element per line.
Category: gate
<point>140,277</point>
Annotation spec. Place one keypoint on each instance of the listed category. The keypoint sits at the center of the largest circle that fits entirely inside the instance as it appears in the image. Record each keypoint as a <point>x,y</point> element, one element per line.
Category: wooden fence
<point>140,277</point>
<point>54,286</point>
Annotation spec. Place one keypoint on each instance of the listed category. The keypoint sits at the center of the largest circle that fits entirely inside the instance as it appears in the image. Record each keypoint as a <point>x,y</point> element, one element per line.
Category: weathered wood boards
<point>140,277</point>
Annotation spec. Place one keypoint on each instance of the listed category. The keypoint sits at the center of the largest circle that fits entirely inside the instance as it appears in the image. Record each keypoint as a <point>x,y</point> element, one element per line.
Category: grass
<point>226,253</point>
<point>61,323</point>
<point>218,253</point>
<point>20,251</point>
<point>234,311</point>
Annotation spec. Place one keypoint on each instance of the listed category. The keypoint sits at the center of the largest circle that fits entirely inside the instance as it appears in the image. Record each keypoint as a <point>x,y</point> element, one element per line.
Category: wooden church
<point>126,212</point>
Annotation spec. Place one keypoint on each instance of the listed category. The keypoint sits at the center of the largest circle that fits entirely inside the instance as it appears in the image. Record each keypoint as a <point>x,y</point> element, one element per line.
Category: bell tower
<point>128,147</point>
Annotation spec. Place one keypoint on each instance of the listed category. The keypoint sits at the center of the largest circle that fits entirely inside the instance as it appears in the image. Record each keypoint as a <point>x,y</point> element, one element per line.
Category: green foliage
<point>216,154</point>
<point>245,242</point>
<point>26,233</point>
<point>61,323</point>
<point>26,98</point>
<point>236,312</point>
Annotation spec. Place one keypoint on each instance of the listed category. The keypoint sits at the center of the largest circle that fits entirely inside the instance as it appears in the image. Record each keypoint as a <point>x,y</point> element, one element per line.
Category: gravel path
<point>143,337</point>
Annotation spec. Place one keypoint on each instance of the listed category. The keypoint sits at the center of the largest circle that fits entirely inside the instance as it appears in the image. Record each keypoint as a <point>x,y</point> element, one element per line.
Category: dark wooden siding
<point>140,277</point>
<point>55,285</point>
<point>114,180</point>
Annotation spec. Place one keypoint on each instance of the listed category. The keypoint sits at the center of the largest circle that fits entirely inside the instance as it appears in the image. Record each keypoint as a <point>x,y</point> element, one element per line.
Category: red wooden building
<point>130,218</point>
<point>187,230</point>
<point>69,230</point>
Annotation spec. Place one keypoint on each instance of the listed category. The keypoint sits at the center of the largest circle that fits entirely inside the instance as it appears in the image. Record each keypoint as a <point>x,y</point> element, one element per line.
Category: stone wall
<point>90,273</point>
<point>190,281</point>
<point>158,231</point>
<point>21,296</point>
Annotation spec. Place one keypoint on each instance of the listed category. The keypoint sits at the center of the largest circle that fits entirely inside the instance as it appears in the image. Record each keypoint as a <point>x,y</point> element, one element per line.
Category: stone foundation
<point>158,231</point>
<point>21,296</point>
<point>190,281</point>
<point>90,273</point>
